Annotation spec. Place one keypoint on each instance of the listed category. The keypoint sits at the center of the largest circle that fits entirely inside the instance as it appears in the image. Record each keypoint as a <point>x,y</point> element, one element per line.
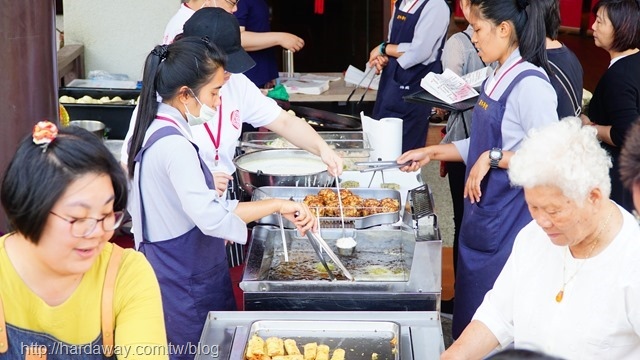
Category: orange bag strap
<point>108,291</point>
<point>4,343</point>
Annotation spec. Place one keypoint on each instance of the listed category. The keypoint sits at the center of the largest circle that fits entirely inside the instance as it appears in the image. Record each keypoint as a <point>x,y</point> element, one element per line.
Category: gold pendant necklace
<point>560,294</point>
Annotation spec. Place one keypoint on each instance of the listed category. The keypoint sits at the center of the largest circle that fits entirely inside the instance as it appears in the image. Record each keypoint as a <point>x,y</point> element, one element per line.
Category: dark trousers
<point>456,173</point>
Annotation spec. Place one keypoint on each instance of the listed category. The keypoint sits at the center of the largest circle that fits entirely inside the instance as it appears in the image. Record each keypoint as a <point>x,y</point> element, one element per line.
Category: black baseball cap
<point>223,30</point>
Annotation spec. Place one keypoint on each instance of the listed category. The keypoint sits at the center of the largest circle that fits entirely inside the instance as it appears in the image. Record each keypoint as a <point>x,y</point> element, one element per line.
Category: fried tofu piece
<point>291,348</point>
<point>310,351</point>
<point>338,354</point>
<point>288,357</point>
<point>275,346</point>
<point>323,352</point>
<point>255,349</point>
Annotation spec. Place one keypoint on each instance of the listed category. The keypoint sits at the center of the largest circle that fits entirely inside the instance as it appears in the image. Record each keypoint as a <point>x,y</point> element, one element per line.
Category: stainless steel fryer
<point>226,333</point>
<point>392,271</point>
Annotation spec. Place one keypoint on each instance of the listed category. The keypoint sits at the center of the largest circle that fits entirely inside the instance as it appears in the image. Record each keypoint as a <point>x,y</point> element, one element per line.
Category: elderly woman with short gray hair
<point>570,286</point>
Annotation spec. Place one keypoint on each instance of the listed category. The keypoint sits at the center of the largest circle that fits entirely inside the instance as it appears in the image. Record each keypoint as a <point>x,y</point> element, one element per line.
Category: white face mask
<point>206,114</point>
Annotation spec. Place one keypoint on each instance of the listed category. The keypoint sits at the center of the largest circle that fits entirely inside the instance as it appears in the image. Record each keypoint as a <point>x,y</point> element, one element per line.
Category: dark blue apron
<point>489,227</point>
<point>192,271</point>
<point>396,82</point>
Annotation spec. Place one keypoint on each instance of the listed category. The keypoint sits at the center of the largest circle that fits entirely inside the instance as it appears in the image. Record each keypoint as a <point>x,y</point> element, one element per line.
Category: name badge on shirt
<point>483,104</point>
<point>401,17</point>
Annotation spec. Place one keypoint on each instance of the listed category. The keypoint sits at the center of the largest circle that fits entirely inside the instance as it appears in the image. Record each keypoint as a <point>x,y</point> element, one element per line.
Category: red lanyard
<point>164,118</point>
<point>503,74</point>
<point>216,141</point>
<point>412,5</point>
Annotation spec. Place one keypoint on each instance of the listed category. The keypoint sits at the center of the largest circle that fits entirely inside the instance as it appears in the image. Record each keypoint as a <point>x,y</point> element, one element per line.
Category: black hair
<point>630,157</point>
<point>527,18</point>
<point>191,62</point>
<point>624,15</point>
<point>551,17</point>
<point>35,179</point>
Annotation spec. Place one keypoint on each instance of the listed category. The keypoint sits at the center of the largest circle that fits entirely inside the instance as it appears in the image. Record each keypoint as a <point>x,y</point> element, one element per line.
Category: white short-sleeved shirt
<point>599,315</point>
<point>242,102</point>
<point>174,26</point>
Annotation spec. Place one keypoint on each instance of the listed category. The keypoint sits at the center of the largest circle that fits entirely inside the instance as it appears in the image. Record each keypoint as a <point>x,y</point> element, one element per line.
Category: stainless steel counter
<point>226,333</point>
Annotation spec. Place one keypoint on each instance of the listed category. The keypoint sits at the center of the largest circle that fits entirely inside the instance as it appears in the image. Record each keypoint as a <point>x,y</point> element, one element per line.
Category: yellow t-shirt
<point>139,322</point>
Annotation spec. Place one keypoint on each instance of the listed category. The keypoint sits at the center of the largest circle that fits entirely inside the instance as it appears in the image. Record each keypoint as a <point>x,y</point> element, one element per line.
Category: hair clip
<point>160,51</point>
<point>44,132</point>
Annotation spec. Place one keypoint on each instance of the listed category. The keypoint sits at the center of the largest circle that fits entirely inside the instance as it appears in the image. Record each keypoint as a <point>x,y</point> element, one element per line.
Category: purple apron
<point>396,82</point>
<point>192,271</point>
<point>489,227</point>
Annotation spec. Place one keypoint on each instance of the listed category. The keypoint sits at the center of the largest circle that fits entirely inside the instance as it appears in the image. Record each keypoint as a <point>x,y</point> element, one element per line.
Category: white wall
<point>117,34</point>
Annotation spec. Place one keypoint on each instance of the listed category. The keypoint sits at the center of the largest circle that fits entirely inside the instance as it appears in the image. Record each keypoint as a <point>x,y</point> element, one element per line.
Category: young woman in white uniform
<point>179,220</point>
<point>516,97</point>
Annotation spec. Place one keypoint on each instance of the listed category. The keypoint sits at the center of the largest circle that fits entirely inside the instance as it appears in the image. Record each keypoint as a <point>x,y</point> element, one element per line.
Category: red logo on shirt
<point>235,119</point>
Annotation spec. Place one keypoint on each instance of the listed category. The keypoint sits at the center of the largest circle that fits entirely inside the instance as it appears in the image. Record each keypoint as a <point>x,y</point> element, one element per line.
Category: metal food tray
<point>351,146</point>
<point>359,339</point>
<point>298,194</point>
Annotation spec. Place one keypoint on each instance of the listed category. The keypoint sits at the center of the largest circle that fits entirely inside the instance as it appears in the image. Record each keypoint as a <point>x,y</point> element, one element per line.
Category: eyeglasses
<point>232,3</point>
<point>84,227</point>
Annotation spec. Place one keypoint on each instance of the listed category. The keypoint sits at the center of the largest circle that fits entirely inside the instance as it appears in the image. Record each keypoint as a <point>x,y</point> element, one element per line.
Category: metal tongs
<point>360,83</point>
<point>381,165</point>
<point>319,245</point>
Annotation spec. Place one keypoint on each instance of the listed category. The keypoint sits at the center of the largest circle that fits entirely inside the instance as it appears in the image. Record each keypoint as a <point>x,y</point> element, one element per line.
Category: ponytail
<point>147,105</point>
<point>190,62</point>
<point>532,38</point>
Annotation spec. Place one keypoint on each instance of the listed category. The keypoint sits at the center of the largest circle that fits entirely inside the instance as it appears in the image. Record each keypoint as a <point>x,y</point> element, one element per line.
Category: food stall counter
<point>227,332</point>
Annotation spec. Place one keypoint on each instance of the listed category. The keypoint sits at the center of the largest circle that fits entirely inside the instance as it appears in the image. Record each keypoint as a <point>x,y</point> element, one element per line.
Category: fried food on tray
<point>344,193</point>
<point>352,200</point>
<point>310,351</point>
<point>338,354</point>
<point>350,211</point>
<point>291,348</point>
<point>326,204</point>
<point>288,357</point>
<point>323,352</point>
<point>275,346</point>
<point>328,195</point>
<point>332,208</point>
<point>389,205</point>
<point>312,199</point>
<point>370,207</point>
<point>255,349</point>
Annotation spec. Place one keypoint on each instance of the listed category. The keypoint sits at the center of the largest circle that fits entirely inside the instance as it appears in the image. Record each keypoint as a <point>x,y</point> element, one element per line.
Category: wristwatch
<point>495,155</point>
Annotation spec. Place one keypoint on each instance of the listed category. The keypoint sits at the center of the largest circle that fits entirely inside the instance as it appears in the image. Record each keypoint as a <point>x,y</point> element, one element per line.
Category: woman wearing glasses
<point>63,285</point>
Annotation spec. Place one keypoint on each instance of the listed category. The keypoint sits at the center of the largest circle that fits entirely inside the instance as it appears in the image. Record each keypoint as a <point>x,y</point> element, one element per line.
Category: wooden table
<point>338,92</point>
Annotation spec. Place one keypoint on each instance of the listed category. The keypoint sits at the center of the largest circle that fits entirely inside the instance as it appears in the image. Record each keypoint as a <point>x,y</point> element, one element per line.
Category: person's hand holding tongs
<point>381,165</point>
<point>366,74</point>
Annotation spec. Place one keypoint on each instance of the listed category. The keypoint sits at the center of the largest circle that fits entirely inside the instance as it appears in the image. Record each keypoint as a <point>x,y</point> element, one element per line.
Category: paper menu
<point>448,87</point>
<point>475,78</point>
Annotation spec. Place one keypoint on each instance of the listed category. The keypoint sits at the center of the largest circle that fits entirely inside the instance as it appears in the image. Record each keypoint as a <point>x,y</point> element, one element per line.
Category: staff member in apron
<point>179,220</point>
<point>417,32</point>
<point>516,98</point>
